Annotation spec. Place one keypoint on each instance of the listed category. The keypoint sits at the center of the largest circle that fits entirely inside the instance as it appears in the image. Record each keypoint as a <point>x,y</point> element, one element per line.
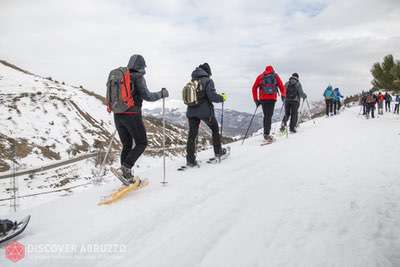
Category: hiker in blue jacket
<point>329,96</point>
<point>336,100</point>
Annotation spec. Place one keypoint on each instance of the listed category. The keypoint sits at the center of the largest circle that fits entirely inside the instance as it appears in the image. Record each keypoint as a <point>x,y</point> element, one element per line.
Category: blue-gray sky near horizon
<point>325,41</point>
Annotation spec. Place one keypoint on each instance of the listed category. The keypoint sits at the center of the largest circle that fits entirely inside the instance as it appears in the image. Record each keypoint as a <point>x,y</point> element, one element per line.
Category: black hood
<point>137,63</point>
<point>199,73</point>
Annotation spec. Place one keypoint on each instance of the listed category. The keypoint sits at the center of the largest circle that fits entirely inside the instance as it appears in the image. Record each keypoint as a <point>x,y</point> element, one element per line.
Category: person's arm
<point>144,92</point>
<point>300,90</point>
<point>212,94</point>
<point>255,87</point>
<point>282,88</point>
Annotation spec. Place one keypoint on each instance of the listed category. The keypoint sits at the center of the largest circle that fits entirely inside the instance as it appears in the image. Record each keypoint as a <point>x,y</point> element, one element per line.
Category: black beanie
<point>295,75</point>
<point>206,68</point>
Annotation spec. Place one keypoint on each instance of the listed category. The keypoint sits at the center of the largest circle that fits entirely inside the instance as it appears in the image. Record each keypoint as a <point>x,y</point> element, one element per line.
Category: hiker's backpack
<point>192,93</point>
<point>118,97</point>
<point>370,99</point>
<point>291,91</point>
<point>268,84</point>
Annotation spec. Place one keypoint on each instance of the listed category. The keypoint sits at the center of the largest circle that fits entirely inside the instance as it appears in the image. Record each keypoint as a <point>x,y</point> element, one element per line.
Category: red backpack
<point>118,96</point>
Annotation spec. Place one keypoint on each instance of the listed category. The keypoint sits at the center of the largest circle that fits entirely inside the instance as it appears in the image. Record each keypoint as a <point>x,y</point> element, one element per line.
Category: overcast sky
<point>325,41</point>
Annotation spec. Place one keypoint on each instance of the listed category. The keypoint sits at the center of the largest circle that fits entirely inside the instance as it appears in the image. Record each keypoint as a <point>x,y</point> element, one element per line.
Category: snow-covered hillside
<point>43,120</point>
<point>327,196</point>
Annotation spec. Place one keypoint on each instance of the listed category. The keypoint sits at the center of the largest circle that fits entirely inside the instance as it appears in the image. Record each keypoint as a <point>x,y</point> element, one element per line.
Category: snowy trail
<point>327,196</point>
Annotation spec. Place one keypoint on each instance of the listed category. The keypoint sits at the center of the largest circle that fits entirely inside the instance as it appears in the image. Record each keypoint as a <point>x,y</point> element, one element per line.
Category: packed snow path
<point>327,196</point>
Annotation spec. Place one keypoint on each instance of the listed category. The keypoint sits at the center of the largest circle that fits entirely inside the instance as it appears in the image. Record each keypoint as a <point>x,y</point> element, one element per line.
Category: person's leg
<point>330,106</point>
<point>294,115</point>
<point>339,105</point>
<point>191,142</point>
<point>124,136</point>
<point>327,107</point>
<point>287,114</point>
<point>373,112</point>
<point>135,126</point>
<point>212,123</point>
<point>268,109</point>
<point>334,107</point>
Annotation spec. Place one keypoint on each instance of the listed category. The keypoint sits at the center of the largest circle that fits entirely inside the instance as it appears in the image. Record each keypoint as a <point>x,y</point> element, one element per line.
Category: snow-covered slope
<point>327,196</point>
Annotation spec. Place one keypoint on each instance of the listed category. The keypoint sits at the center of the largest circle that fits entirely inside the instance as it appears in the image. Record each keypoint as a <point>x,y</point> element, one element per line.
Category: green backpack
<point>192,93</point>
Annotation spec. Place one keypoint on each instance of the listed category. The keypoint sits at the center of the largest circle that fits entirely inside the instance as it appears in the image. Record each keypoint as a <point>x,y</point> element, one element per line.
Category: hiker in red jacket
<point>265,92</point>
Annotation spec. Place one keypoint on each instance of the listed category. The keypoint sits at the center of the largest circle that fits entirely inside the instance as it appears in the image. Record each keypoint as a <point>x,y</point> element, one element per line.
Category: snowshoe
<point>189,165</point>
<point>16,229</point>
<point>218,158</point>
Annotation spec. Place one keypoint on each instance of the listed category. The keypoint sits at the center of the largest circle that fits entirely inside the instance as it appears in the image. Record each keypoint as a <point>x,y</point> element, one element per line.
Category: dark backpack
<point>118,96</point>
<point>268,84</point>
<point>370,99</point>
<point>291,91</point>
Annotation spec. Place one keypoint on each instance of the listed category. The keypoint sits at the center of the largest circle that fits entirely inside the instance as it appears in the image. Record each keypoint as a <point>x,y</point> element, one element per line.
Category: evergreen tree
<point>386,74</point>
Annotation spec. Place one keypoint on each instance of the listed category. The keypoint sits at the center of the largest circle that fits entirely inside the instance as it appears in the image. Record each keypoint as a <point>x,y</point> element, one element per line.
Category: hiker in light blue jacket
<point>336,100</point>
<point>329,96</point>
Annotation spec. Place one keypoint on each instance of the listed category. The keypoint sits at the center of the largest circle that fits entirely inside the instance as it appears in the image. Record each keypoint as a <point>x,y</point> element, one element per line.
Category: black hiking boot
<point>268,138</point>
<point>192,164</point>
<point>125,175</point>
<point>293,130</point>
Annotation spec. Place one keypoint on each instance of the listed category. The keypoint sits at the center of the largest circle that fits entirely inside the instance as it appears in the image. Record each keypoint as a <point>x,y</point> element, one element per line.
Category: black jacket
<point>205,109</point>
<point>140,91</point>
<point>300,93</point>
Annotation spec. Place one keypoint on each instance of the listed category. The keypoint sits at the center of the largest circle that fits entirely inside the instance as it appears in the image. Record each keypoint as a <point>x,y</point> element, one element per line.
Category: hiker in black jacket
<point>294,91</point>
<point>204,111</point>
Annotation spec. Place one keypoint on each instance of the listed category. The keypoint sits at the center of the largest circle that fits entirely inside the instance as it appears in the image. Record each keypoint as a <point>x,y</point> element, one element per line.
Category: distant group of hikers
<point>332,100</point>
<point>370,100</point>
<point>126,90</point>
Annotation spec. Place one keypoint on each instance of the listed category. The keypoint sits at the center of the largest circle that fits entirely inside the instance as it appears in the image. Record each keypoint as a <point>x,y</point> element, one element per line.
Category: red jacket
<point>258,93</point>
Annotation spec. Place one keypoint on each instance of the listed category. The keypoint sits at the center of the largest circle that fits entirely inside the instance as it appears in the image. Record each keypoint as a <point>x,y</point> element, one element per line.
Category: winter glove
<point>224,97</point>
<point>257,103</point>
<point>304,96</point>
<point>164,93</point>
<point>283,98</point>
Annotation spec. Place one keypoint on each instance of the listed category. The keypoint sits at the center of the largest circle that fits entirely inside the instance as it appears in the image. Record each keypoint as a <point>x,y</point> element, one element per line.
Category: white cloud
<point>324,41</point>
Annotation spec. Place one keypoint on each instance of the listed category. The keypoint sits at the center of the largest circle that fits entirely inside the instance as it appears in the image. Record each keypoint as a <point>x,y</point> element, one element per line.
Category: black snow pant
<point>371,109</point>
<point>396,108</point>
<point>387,106</point>
<point>364,109</point>
<point>268,110</point>
<point>291,110</point>
<point>194,124</point>
<point>328,103</point>
<point>130,128</point>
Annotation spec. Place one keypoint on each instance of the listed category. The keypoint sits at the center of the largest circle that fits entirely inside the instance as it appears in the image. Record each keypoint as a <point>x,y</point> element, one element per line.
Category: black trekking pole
<point>248,128</point>
<point>280,117</point>
<point>222,118</point>
<point>309,110</point>
<point>164,182</point>
<point>301,113</point>
<point>98,179</point>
